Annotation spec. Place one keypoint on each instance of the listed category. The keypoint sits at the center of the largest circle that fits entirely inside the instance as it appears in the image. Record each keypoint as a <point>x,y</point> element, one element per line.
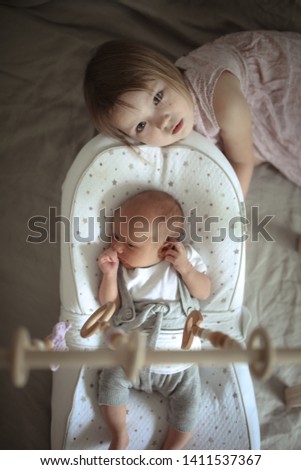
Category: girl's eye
<point>140,127</point>
<point>158,97</point>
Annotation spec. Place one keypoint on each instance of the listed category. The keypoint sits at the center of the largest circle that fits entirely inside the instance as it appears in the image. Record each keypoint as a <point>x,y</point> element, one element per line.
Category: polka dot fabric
<point>222,423</point>
<point>195,172</point>
<point>210,201</point>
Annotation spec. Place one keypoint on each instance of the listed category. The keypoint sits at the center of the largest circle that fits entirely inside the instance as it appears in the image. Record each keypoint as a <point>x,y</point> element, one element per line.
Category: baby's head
<point>143,225</point>
<point>136,95</point>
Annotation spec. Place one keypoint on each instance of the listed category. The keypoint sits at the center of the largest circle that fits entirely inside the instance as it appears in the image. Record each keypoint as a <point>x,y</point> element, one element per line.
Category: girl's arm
<point>234,118</point>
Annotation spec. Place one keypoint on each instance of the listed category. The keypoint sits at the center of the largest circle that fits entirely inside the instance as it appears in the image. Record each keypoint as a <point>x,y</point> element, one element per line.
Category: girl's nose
<point>163,121</point>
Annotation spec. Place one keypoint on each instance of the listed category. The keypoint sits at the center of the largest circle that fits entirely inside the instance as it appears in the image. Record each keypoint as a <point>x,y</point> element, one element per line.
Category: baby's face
<point>159,116</point>
<point>133,240</point>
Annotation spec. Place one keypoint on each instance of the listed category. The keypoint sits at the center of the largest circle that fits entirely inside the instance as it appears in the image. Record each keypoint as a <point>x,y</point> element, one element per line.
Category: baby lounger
<point>104,174</point>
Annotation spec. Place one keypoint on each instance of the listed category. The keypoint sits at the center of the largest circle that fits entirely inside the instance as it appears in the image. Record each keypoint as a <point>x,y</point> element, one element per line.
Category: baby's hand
<point>108,261</point>
<point>175,253</point>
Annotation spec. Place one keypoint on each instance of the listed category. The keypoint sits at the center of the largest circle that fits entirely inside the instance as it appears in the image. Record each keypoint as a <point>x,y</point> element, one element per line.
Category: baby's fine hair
<point>121,66</point>
<point>160,205</point>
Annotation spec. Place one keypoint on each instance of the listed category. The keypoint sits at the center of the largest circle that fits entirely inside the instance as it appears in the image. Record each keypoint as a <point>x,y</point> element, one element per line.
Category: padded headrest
<point>194,171</point>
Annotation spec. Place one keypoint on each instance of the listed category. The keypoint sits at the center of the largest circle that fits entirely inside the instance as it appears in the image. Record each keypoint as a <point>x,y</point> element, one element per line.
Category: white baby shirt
<point>158,283</point>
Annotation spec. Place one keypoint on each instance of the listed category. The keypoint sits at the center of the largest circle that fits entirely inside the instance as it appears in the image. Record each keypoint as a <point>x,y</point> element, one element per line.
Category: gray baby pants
<point>183,390</point>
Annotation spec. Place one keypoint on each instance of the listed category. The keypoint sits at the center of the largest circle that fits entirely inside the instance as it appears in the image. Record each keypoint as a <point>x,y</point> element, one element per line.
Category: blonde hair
<point>118,67</point>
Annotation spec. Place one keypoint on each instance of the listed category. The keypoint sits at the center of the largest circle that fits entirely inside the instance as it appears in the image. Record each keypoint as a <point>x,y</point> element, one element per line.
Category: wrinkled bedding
<point>44,123</point>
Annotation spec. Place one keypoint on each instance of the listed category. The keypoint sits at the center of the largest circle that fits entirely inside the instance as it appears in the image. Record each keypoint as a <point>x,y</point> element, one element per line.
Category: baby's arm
<point>234,118</point>
<point>108,290</point>
<point>198,284</point>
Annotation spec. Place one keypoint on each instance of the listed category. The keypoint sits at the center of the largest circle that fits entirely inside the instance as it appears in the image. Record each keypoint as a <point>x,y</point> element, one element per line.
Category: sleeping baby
<point>154,280</point>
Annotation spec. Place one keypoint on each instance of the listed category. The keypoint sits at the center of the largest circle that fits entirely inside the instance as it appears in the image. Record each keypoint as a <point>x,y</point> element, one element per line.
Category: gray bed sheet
<point>44,47</point>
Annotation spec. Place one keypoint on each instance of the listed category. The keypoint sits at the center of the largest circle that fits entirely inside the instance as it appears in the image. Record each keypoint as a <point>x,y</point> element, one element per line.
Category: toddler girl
<point>241,91</point>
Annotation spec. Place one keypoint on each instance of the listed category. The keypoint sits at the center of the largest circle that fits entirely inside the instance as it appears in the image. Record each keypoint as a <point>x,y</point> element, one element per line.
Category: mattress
<point>199,176</point>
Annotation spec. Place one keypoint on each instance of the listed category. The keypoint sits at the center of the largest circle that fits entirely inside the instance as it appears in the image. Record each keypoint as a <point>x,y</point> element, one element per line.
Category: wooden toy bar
<point>131,352</point>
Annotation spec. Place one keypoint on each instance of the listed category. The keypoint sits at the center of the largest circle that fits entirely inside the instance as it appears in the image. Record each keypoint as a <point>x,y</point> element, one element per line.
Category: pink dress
<point>268,65</point>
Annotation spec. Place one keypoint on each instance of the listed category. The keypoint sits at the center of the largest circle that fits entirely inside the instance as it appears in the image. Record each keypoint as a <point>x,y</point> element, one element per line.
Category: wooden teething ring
<point>193,321</point>
<point>93,324</point>
<point>261,368</point>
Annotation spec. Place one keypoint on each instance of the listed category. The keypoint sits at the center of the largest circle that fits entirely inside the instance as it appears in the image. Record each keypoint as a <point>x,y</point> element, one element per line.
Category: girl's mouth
<point>178,127</point>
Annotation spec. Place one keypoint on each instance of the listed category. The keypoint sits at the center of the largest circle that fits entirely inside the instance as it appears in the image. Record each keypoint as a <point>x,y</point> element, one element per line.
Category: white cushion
<point>103,175</point>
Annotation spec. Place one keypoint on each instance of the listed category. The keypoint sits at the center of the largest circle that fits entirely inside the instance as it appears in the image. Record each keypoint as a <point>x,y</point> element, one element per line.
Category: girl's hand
<point>108,261</point>
<point>175,254</point>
